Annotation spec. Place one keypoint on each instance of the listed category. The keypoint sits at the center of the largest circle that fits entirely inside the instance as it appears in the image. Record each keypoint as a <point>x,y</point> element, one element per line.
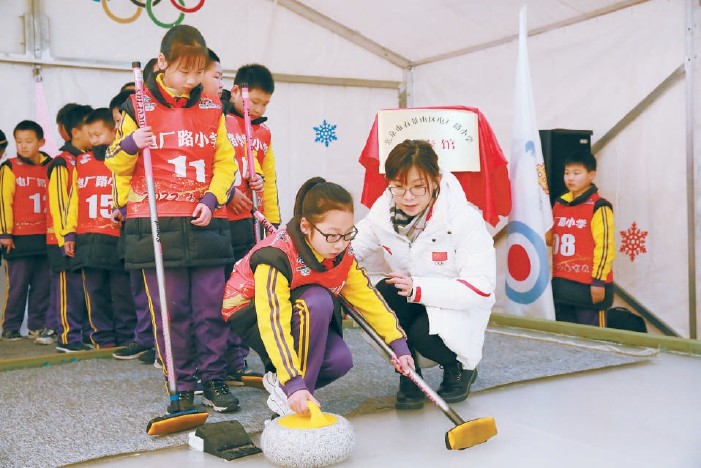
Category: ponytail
<point>316,197</point>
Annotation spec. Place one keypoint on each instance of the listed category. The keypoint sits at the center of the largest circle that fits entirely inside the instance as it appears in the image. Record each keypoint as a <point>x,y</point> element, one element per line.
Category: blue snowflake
<point>325,133</point>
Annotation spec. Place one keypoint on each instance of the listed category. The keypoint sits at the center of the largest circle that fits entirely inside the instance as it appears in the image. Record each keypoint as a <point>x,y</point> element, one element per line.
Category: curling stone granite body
<point>309,447</point>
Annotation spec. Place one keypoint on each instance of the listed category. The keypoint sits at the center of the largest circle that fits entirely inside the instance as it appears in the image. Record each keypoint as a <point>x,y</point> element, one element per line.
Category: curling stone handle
<point>316,416</point>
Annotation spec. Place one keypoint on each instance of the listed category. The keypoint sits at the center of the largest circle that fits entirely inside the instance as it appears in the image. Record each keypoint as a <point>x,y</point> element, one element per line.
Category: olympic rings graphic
<point>149,10</point>
<point>142,4</point>
<point>184,9</point>
<point>148,6</point>
<point>113,17</point>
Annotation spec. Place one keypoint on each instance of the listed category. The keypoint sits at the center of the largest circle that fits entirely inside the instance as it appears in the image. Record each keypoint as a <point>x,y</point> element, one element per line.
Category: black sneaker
<point>409,396</point>
<point>217,395</point>
<point>186,402</point>
<point>11,336</point>
<point>456,382</point>
<point>72,347</point>
<point>148,357</point>
<point>131,351</point>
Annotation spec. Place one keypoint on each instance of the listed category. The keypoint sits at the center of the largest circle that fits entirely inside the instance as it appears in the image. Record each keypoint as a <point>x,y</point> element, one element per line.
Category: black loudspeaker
<point>557,144</point>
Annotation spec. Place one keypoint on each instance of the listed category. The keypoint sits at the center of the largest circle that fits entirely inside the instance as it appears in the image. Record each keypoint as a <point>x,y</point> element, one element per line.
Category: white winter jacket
<point>452,265</point>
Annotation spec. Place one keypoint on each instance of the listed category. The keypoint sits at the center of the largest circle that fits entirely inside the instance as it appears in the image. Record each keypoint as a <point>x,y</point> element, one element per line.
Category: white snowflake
<point>325,133</point>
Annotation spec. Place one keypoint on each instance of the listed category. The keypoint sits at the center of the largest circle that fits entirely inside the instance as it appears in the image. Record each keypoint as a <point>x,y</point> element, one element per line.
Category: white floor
<point>643,415</point>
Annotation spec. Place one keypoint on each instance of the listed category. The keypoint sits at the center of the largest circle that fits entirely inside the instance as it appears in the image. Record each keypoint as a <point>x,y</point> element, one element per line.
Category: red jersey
<point>240,289</point>
<point>260,142</point>
<point>94,196</point>
<point>29,201</point>
<point>573,242</point>
<point>182,158</point>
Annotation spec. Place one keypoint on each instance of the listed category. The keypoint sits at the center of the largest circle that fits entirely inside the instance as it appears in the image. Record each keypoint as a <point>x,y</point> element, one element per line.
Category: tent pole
<point>690,165</point>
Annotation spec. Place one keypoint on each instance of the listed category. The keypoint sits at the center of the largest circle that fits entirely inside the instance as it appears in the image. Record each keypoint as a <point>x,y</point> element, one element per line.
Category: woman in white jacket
<point>439,271</point>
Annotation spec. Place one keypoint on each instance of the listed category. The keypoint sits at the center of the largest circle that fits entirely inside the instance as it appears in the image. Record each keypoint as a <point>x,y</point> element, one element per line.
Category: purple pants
<point>198,333</point>
<point>70,306</point>
<point>323,354</point>
<point>143,331</point>
<point>110,307</point>
<point>28,289</point>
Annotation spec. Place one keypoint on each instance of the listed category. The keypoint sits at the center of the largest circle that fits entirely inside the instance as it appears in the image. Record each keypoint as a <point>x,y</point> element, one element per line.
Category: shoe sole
<point>220,409</point>
<point>45,341</point>
<point>129,357</point>
<point>410,406</point>
<point>66,350</point>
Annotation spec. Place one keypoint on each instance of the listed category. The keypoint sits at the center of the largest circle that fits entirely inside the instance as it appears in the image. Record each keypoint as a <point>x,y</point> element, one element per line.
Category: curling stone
<point>313,440</point>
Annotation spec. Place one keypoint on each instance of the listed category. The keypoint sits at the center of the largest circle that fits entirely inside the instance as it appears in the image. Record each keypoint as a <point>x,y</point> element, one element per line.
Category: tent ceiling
<point>410,32</point>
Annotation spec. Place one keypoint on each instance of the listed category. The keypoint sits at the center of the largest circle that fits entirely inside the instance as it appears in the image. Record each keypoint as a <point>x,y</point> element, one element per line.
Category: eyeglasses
<point>333,238</point>
<point>417,191</point>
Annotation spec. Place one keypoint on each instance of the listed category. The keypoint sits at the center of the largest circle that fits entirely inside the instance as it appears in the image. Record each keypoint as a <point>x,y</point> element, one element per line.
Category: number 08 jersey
<point>573,241</point>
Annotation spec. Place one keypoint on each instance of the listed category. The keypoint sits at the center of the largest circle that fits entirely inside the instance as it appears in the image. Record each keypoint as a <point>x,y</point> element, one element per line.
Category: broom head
<point>176,422</point>
<point>473,432</point>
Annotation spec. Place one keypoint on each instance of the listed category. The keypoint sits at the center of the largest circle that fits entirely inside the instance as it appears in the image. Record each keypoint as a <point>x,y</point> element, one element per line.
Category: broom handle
<point>249,150</point>
<point>355,315</point>
<point>155,231</point>
<point>412,375</point>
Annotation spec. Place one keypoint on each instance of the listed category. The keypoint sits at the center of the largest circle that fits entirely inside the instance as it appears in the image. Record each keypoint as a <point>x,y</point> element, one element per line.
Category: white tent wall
<point>589,76</point>
<point>88,64</point>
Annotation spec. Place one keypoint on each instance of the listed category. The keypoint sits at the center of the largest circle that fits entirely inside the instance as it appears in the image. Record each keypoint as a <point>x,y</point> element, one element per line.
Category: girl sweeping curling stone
<point>281,299</point>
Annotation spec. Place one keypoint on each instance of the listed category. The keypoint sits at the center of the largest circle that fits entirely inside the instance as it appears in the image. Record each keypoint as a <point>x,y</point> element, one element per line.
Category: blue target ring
<point>543,278</point>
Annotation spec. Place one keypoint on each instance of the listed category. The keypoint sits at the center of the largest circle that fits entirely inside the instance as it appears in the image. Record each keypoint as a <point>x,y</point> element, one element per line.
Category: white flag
<point>528,289</point>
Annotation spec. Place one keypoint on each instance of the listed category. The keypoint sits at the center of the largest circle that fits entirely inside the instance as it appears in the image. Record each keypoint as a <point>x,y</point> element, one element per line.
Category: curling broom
<point>179,420</point>
<point>465,434</point>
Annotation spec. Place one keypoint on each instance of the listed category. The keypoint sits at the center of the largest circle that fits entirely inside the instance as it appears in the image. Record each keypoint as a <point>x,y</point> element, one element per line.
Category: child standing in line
<point>584,246</point>
<point>68,312</point>
<point>281,299</point>
<point>23,232</point>
<point>92,240</point>
<point>193,172</point>
<point>261,86</point>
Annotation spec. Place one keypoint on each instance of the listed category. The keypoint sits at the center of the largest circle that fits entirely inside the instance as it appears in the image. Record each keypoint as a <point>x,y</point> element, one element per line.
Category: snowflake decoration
<point>633,242</point>
<point>325,133</point>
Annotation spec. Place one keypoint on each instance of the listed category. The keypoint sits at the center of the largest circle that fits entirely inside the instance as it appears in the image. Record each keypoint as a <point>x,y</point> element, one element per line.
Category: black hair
<point>408,154</point>
<point>184,42</point>
<point>212,57</point>
<point>3,140</point>
<point>29,125</point>
<point>61,114</point>
<point>128,86</point>
<point>149,69</point>
<point>75,118</point>
<point>585,158</point>
<point>255,76</point>
<point>101,114</point>
<point>119,99</point>
<point>316,197</point>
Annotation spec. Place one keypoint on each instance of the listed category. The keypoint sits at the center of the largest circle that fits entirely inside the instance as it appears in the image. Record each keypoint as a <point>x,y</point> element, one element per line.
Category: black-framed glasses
<point>333,238</point>
<point>417,190</point>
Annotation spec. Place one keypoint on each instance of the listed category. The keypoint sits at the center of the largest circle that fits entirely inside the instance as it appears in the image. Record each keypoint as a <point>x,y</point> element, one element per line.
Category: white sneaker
<point>46,337</point>
<point>277,401</point>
